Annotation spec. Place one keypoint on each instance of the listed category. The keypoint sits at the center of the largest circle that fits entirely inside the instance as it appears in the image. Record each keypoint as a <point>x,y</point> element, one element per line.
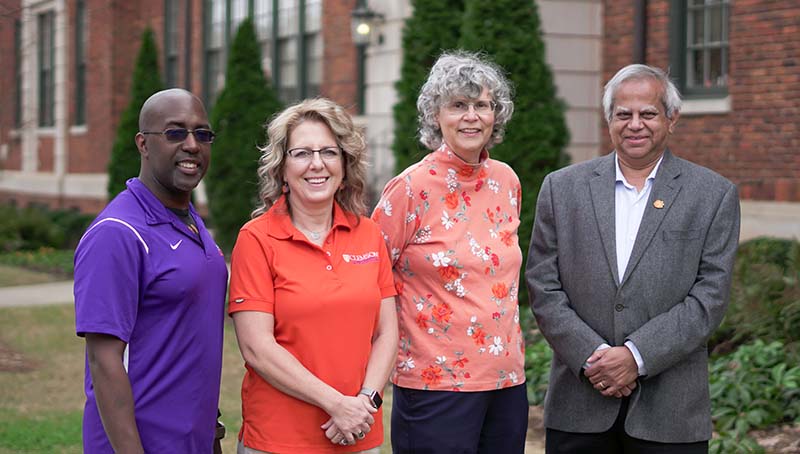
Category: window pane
<point>696,27</point>
<point>46,58</point>
<point>287,50</point>
<point>80,63</point>
<point>715,24</point>
<point>695,69</point>
<point>717,76</point>
<point>18,73</point>
<point>314,64</point>
<point>287,17</point>
<point>262,10</point>
<point>313,15</point>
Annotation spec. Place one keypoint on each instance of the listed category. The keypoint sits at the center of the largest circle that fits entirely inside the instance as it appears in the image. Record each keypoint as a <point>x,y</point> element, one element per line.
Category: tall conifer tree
<point>243,107</point>
<point>433,27</point>
<point>124,162</point>
<point>509,32</point>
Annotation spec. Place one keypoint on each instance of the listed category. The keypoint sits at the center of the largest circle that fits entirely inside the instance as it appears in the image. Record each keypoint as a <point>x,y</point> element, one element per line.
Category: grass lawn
<point>41,378</point>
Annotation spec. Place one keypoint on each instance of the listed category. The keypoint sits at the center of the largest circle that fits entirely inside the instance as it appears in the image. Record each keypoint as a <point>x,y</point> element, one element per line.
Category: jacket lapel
<point>601,187</point>
<point>665,190</point>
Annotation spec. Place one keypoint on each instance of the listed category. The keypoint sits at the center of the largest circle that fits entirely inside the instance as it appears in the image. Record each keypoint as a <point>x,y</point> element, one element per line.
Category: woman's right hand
<point>350,416</point>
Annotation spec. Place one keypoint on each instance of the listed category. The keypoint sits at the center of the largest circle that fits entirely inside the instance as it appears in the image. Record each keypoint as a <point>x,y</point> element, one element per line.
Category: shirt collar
<point>621,177</point>
<point>466,170</point>
<point>155,212</point>
<point>281,227</point>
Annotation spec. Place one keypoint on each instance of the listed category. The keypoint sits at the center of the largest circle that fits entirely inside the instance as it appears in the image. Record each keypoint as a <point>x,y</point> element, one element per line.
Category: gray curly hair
<point>670,97</point>
<point>348,136</point>
<point>462,73</point>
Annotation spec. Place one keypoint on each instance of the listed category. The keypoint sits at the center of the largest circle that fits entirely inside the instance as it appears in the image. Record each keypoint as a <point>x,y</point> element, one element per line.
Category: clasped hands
<point>350,420</point>
<point>612,371</point>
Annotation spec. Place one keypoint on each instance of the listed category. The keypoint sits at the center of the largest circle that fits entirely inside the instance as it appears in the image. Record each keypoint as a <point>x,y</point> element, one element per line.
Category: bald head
<point>157,106</point>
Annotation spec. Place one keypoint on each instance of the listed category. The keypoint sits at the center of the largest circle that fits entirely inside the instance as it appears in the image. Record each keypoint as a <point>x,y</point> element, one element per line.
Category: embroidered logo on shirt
<point>175,246</point>
<point>361,259</point>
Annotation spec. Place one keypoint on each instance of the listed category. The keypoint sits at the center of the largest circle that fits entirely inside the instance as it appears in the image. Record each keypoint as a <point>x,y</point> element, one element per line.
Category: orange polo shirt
<point>451,228</point>
<point>326,302</point>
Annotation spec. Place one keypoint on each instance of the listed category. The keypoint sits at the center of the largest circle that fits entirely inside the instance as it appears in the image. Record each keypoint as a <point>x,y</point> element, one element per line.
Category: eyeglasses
<point>180,134</point>
<point>460,107</point>
<point>328,154</point>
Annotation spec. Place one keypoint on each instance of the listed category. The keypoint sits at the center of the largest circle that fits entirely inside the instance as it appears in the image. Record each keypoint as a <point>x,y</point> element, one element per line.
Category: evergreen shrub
<point>243,107</point>
<point>125,162</point>
<point>434,26</point>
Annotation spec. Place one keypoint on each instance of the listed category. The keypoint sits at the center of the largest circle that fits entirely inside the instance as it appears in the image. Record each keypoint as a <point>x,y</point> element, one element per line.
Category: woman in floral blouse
<point>450,222</point>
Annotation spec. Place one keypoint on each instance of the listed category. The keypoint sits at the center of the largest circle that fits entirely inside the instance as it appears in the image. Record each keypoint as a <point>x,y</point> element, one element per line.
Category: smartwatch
<point>373,395</point>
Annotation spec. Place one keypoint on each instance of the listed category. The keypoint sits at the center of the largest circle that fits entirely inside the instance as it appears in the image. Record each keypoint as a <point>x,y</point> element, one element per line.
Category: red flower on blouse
<point>442,312</point>
<point>432,375</point>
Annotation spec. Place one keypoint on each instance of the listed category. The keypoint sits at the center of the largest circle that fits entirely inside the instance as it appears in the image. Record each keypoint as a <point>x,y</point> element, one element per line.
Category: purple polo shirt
<point>141,275</point>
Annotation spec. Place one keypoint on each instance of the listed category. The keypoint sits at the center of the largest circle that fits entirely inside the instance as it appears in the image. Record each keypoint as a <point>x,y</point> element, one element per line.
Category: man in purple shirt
<point>149,296</point>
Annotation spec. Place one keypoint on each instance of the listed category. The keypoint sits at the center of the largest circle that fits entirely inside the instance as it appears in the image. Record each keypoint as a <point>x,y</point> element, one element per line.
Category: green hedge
<point>34,228</point>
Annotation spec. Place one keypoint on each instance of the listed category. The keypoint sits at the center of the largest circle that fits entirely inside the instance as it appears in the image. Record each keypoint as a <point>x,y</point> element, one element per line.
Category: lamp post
<point>362,23</point>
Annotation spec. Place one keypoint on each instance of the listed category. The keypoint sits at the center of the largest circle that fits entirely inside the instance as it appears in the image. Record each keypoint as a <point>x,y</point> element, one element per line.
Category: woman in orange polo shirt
<point>311,293</point>
<point>451,225</point>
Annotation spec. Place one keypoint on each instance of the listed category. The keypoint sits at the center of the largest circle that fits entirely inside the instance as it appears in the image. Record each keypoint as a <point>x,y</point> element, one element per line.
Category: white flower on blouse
<point>410,217</point>
<point>406,364</point>
<point>497,347</point>
<point>447,222</point>
<point>420,307</point>
<point>513,377</point>
<point>493,185</point>
<point>473,319</point>
<point>440,259</point>
<point>512,198</point>
<point>430,330</point>
<point>386,206</point>
<point>441,360</point>
<point>395,253</point>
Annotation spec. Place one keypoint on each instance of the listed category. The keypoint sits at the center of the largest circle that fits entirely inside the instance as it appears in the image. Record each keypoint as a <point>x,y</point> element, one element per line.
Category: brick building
<point>738,65</point>
<point>68,64</point>
<point>71,60</point>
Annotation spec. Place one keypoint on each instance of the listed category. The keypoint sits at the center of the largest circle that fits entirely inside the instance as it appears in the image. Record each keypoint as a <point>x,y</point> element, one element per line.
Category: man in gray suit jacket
<point>629,271</point>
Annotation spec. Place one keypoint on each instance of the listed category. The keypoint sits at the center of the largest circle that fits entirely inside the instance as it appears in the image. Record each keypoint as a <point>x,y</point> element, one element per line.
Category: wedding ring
<point>602,385</point>
<point>343,442</point>
<point>360,435</point>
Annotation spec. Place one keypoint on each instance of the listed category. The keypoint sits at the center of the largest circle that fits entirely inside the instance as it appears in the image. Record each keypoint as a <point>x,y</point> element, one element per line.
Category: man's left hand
<point>612,371</point>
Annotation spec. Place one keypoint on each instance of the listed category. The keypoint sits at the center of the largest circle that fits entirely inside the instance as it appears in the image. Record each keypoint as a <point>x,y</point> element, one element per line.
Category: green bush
<point>433,27</point>
<point>755,387</point>
<point>33,228</point>
<point>538,356</point>
<point>765,296</point>
<point>46,260</point>
<point>242,108</point>
<point>125,162</point>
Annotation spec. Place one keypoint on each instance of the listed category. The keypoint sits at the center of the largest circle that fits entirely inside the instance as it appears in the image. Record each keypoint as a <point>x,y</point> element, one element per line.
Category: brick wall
<point>757,144</point>
<point>339,61</point>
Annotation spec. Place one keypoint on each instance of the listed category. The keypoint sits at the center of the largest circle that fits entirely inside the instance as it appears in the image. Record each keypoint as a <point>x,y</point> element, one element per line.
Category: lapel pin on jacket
<point>659,204</point>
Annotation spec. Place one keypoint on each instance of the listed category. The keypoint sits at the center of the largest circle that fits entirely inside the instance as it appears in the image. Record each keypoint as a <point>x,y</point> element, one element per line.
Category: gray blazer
<point>673,294</point>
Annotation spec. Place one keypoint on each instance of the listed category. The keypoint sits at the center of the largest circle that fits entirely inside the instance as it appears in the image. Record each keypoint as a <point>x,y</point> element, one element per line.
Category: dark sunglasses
<point>180,134</point>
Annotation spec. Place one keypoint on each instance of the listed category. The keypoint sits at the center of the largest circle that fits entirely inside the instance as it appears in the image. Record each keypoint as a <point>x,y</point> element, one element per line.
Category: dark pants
<point>615,441</point>
<point>459,422</point>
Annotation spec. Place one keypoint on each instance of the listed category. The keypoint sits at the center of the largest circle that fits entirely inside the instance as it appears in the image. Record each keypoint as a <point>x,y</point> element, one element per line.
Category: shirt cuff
<point>602,346</point>
<point>636,356</point>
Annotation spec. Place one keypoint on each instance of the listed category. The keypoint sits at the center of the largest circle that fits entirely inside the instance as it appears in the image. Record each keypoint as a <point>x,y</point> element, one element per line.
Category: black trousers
<point>615,441</point>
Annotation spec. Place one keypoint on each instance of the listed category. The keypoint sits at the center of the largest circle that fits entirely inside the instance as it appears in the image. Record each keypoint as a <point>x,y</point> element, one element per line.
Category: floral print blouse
<point>451,228</point>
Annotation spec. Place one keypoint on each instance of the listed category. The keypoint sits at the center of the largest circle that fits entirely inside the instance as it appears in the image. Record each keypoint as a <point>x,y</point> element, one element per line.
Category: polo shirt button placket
<point>328,267</point>
<point>328,253</point>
